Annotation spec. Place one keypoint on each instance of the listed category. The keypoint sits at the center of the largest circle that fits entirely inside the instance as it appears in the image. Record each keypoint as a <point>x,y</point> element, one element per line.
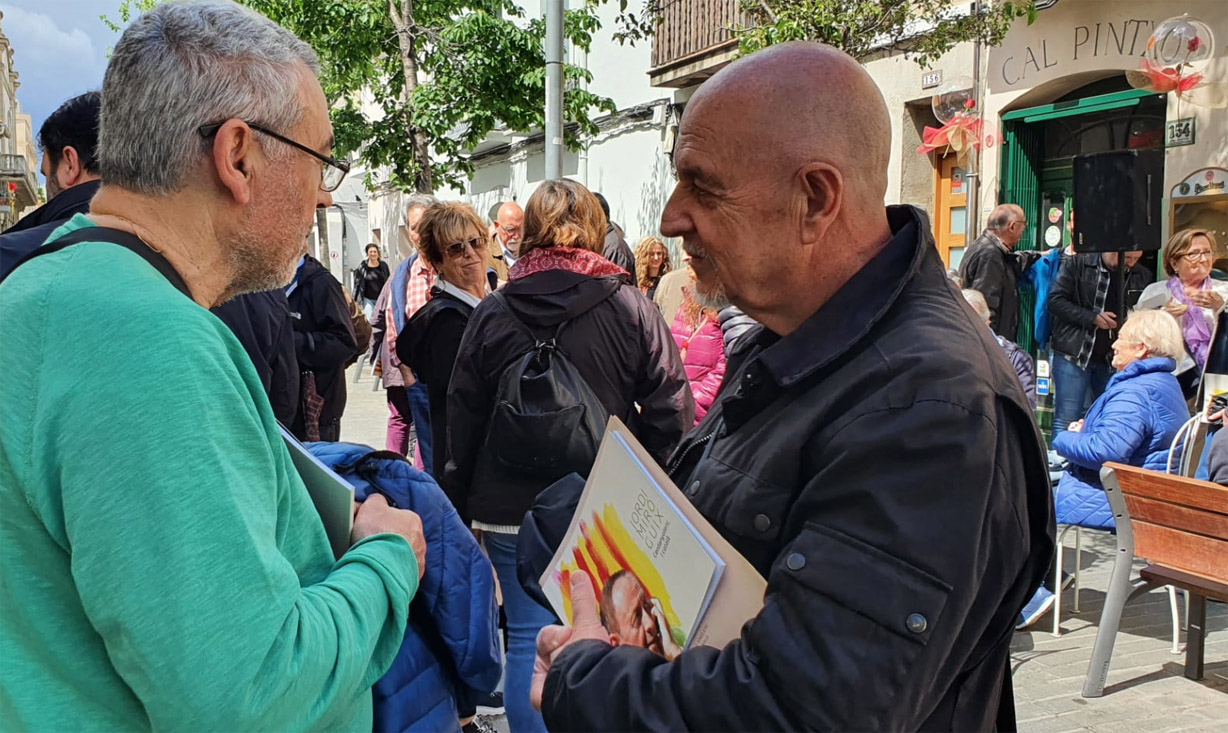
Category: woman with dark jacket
<point>561,287</point>
<point>369,279</point>
<point>453,240</point>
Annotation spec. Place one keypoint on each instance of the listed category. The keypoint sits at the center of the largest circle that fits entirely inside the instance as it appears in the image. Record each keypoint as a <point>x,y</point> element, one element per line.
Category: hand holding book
<point>586,624</point>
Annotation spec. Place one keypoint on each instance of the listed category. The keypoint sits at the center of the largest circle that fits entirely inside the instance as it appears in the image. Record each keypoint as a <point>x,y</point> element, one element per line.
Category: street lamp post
<point>554,89</point>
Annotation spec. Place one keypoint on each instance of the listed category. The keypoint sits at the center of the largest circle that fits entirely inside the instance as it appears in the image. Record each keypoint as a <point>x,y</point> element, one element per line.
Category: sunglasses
<point>457,249</point>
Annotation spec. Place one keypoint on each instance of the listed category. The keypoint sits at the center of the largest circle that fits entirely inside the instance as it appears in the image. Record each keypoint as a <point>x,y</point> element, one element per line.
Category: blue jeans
<point>1076,389</point>
<point>420,413</point>
<point>524,619</point>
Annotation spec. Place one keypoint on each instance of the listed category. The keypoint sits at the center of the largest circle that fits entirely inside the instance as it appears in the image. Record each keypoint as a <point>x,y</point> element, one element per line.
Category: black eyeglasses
<point>331,173</point>
<point>457,249</point>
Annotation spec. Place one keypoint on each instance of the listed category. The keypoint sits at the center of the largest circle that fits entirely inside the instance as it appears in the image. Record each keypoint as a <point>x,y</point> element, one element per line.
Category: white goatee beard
<point>716,300</point>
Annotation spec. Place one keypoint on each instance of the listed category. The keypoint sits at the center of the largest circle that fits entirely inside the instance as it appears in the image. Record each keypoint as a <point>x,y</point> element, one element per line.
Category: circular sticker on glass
<point>1053,236</point>
<point>1055,214</point>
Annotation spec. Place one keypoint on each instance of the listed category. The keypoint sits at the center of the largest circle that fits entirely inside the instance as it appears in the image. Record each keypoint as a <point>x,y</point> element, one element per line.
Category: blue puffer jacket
<point>451,648</point>
<point>1133,422</point>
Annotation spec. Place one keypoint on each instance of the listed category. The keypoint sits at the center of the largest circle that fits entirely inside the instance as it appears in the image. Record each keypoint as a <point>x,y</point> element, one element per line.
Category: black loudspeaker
<point>1117,200</point>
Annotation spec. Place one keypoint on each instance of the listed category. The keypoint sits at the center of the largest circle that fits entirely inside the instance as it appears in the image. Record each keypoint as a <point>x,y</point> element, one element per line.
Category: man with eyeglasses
<point>505,246</point>
<point>992,267</point>
<point>164,565</point>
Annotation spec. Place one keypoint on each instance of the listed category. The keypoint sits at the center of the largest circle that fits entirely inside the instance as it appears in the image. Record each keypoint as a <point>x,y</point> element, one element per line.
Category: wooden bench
<point>1180,526</point>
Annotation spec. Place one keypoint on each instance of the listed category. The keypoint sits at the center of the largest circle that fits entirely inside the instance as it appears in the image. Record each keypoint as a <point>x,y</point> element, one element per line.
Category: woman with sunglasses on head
<point>453,239</point>
<point>1190,295</point>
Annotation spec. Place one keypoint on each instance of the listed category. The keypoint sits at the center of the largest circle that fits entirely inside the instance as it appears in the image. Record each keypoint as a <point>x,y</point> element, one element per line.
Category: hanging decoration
<point>955,107</point>
<point>1175,62</point>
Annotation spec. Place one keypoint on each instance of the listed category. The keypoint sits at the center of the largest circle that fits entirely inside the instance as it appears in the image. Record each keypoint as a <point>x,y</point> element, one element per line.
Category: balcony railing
<point>693,40</point>
<point>12,166</point>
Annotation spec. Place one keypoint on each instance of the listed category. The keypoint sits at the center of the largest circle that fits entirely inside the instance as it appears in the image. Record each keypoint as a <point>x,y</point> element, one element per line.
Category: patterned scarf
<point>1195,327</point>
<point>571,259</point>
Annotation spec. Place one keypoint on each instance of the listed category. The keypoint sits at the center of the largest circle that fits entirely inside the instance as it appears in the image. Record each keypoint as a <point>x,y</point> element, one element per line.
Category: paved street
<point>1146,690</point>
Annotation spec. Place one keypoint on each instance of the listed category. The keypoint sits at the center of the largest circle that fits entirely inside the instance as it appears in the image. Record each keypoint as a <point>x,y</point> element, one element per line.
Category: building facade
<point>18,161</point>
<point>1050,92</point>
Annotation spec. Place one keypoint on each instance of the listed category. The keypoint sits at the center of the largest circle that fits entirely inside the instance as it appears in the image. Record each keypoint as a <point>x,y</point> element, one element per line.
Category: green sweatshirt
<point>161,563</point>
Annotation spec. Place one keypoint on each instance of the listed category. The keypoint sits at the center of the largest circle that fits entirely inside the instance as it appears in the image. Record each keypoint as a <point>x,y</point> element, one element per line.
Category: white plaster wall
<point>631,170</point>
<point>899,80</point>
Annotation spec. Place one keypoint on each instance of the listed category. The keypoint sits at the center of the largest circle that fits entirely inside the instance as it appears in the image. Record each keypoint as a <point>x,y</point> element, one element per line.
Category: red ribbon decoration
<point>961,134</point>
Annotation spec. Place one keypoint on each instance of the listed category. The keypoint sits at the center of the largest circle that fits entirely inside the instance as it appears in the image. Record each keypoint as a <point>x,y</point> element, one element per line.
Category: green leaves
<point>922,30</point>
<point>414,97</point>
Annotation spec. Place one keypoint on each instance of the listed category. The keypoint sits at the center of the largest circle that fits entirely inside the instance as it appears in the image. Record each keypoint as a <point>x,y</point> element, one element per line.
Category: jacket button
<point>916,623</point>
<point>796,561</point>
<point>762,522</point>
<point>694,486</point>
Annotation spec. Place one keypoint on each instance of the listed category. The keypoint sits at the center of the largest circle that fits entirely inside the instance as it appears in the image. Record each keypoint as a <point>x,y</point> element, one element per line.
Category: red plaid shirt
<point>417,292</point>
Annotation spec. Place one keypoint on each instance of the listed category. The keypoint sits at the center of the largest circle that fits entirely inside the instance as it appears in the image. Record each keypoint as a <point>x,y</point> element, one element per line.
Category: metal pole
<point>972,228</point>
<point>554,89</point>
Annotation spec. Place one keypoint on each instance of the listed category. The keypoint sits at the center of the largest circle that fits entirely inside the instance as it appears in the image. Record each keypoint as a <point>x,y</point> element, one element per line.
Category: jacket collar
<point>61,207</point>
<point>861,303</point>
<point>1144,366</point>
<point>996,240</point>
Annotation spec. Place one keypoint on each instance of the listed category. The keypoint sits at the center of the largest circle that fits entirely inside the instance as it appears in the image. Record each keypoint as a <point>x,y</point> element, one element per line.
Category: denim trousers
<point>1076,389</point>
<point>420,414</point>
<point>525,617</point>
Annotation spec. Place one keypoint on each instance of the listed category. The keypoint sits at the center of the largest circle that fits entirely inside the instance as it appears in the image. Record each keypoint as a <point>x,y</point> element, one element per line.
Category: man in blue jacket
<point>69,139</point>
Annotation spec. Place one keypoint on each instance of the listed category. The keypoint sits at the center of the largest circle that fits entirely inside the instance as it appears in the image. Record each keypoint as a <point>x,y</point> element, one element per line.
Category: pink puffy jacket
<point>703,356</point>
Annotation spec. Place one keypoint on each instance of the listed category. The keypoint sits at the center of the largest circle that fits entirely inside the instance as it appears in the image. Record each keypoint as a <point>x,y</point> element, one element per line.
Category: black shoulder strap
<point>114,236</point>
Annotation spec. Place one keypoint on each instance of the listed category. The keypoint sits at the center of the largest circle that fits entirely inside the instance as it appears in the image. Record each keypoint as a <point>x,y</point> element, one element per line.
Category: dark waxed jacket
<point>995,273</point>
<point>1072,299</point>
<point>262,323</point>
<point>618,342</point>
<point>881,468</point>
<point>616,249</point>
<point>34,228</point>
<point>323,337</point>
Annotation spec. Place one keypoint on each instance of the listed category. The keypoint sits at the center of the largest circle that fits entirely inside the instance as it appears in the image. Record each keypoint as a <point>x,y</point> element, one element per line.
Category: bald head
<point>1008,222</point>
<point>781,161</point>
<point>509,226</point>
<point>802,101</point>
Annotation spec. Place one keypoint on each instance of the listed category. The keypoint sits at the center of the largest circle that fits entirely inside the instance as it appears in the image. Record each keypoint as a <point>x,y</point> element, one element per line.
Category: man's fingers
<point>549,641</point>
<point>376,497</point>
<point>550,638</point>
<point>585,614</point>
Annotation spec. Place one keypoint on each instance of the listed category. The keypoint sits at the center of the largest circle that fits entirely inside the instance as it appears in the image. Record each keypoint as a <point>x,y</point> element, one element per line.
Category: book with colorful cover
<point>656,565</point>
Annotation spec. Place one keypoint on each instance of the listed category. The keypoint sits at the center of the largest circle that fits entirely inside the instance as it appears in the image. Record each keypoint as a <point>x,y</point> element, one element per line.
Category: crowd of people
<point>807,376</point>
<point>1122,391</point>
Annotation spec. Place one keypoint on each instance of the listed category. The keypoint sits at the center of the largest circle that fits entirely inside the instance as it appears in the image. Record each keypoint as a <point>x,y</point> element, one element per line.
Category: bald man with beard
<point>871,452</point>
<point>504,246</point>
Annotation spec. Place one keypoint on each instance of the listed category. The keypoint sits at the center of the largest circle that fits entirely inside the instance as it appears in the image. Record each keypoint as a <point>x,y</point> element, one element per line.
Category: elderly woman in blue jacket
<point>1133,422</point>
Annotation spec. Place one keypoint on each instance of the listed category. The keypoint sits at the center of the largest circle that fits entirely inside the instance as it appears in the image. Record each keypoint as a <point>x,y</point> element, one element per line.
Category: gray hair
<point>977,300</point>
<point>187,64</point>
<point>1002,216</point>
<point>418,200</point>
<point>1156,330</point>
